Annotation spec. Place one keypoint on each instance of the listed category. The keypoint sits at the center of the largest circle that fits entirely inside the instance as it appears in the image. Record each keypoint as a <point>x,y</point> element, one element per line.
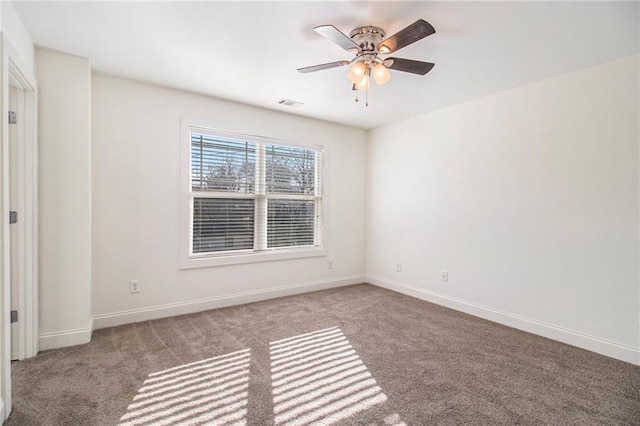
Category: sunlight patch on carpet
<point>394,420</point>
<point>210,391</point>
<point>318,378</point>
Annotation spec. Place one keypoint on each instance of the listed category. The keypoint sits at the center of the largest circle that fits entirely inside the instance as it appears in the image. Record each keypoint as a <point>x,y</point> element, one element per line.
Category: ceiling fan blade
<point>408,65</point>
<point>338,37</point>
<point>414,32</point>
<point>321,67</point>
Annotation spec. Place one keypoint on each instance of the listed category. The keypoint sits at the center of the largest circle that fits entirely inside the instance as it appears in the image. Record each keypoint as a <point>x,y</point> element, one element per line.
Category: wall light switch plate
<point>444,276</point>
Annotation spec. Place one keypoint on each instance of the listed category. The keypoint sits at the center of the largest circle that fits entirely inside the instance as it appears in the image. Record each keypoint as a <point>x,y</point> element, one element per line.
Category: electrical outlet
<point>134,286</point>
<point>398,267</point>
<point>330,264</point>
<point>444,276</point>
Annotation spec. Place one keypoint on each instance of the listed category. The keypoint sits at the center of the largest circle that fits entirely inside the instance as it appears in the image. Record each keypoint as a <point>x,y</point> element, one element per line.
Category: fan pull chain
<point>366,97</point>
<point>366,88</point>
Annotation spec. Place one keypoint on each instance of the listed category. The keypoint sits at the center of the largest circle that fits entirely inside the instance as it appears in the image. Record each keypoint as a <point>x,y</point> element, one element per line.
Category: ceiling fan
<point>368,43</point>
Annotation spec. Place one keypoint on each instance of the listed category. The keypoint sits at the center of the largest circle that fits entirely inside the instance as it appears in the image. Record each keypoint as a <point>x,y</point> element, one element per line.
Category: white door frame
<point>15,72</point>
<point>27,225</point>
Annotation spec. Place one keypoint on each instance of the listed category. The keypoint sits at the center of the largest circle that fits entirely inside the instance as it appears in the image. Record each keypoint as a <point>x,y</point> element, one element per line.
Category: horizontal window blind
<point>219,164</point>
<point>222,224</point>
<point>249,195</point>
<point>290,223</point>
<point>290,170</point>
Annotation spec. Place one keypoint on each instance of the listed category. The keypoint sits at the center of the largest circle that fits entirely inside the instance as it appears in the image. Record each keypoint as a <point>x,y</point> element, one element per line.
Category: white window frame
<point>199,260</point>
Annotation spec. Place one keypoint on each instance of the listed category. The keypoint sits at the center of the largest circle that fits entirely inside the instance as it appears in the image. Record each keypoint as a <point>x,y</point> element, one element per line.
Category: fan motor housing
<point>367,38</point>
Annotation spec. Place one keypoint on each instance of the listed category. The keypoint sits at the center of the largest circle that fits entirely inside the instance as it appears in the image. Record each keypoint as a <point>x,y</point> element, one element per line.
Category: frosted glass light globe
<point>357,71</point>
<point>381,74</point>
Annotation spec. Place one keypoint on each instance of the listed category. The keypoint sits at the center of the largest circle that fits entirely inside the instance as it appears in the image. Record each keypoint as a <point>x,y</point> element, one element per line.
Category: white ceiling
<point>249,51</point>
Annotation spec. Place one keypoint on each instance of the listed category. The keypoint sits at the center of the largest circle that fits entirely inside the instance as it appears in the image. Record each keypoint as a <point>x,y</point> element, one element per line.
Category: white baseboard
<point>2,411</point>
<point>60,339</point>
<point>570,337</point>
<point>154,312</point>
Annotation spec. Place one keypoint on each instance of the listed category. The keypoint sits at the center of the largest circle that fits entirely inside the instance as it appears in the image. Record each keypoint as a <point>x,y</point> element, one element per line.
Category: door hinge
<point>12,117</point>
<point>14,316</point>
<point>13,217</point>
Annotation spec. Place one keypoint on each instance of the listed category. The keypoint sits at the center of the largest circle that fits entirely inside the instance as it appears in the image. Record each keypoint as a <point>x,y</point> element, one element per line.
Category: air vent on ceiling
<point>290,103</point>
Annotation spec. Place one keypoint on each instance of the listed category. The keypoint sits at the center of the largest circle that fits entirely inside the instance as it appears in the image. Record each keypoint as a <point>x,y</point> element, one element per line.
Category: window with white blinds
<point>249,195</point>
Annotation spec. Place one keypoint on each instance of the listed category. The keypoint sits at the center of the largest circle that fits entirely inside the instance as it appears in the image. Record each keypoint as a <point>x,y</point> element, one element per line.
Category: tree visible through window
<point>252,196</point>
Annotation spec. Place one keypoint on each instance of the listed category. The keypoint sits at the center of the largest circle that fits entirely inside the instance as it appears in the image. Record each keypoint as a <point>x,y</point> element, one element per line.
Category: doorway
<point>19,227</point>
<point>22,218</point>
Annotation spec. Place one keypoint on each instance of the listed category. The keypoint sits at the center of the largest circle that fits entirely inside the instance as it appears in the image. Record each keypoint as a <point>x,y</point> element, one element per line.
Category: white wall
<point>135,204</point>
<point>528,198</point>
<point>15,32</point>
<point>65,198</point>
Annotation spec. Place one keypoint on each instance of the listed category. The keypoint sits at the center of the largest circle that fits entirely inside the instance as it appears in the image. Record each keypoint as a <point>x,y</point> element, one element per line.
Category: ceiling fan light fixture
<point>368,43</point>
<point>381,74</point>
<point>357,71</point>
<point>364,83</point>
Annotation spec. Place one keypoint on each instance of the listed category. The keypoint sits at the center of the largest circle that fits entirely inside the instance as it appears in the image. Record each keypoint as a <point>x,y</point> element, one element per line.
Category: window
<point>252,197</point>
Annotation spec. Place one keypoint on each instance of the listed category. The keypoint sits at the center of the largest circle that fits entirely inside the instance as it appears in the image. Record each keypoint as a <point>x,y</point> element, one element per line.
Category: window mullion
<point>317,190</point>
<point>317,178</point>
<point>201,146</point>
<point>260,242</point>
<point>211,194</point>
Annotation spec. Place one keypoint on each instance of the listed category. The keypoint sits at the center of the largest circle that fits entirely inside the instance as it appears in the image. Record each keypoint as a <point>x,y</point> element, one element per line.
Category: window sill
<point>236,259</point>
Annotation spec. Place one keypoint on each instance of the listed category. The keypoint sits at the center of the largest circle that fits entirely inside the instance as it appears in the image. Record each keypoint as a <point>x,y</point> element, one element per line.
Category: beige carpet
<point>354,355</point>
